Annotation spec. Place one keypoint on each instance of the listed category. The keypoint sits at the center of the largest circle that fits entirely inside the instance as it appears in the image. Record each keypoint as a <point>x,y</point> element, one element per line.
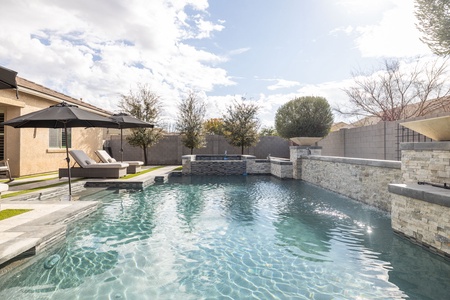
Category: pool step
<point>27,235</point>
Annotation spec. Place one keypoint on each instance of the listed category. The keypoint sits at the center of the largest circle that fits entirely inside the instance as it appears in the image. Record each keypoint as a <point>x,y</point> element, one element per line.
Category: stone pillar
<point>296,153</point>
<point>250,163</point>
<point>186,163</point>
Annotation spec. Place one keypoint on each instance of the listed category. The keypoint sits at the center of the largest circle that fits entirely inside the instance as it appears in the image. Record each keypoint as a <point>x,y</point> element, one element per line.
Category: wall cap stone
<point>425,146</point>
<point>393,164</point>
<point>424,193</point>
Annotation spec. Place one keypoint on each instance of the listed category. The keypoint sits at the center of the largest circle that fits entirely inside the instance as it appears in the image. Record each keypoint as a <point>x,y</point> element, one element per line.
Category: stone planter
<point>305,141</point>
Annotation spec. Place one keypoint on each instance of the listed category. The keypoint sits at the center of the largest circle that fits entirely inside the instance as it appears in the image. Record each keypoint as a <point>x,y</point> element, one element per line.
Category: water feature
<point>232,237</point>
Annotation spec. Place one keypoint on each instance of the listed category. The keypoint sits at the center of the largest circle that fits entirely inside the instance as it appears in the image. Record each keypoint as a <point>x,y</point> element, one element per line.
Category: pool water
<point>243,237</point>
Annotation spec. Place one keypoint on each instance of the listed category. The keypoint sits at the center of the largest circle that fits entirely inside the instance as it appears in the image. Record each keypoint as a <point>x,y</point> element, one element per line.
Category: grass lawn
<point>8,213</point>
<point>140,173</point>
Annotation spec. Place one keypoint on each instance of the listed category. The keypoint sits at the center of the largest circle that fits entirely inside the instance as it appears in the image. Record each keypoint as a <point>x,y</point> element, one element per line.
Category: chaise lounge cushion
<point>84,161</point>
<point>133,168</point>
<point>106,158</point>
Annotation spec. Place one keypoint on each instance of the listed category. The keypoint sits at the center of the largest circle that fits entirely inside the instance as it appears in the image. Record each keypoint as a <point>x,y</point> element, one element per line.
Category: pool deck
<point>27,234</point>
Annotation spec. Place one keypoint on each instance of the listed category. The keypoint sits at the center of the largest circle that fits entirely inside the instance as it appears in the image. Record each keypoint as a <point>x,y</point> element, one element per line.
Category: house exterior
<point>38,150</point>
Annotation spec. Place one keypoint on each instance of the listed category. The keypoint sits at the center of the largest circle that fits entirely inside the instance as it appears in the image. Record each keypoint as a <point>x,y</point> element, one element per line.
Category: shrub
<point>304,117</point>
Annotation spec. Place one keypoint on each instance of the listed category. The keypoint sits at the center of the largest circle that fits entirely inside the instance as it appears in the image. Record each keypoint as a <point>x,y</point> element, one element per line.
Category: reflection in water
<point>233,237</point>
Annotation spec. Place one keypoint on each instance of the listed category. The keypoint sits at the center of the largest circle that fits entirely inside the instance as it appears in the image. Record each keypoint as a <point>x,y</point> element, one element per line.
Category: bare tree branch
<point>399,91</point>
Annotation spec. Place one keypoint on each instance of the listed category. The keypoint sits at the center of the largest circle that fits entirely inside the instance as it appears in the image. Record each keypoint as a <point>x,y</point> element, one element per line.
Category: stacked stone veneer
<point>365,180</point>
<point>244,164</point>
<point>428,162</point>
<point>422,212</point>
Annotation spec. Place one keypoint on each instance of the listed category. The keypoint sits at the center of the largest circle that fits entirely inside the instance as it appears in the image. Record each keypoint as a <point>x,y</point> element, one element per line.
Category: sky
<point>266,51</point>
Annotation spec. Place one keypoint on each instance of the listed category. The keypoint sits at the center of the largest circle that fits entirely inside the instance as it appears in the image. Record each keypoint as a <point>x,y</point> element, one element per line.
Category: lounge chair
<point>4,167</point>
<point>134,166</point>
<point>89,168</point>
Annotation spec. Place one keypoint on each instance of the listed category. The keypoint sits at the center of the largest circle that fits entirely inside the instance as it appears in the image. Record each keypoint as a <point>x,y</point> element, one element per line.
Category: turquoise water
<point>246,237</point>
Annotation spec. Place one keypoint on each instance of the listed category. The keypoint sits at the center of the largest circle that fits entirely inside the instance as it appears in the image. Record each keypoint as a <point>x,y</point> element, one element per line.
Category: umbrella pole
<point>121,145</point>
<point>68,161</point>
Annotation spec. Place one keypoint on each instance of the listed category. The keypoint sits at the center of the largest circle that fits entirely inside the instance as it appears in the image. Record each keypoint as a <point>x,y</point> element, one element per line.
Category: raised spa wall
<point>236,165</point>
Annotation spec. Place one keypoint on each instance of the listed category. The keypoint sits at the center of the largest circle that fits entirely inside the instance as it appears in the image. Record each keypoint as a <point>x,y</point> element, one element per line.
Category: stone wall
<point>429,162</point>
<point>191,166</point>
<point>421,212</point>
<point>281,168</point>
<point>422,216</point>
<point>364,180</point>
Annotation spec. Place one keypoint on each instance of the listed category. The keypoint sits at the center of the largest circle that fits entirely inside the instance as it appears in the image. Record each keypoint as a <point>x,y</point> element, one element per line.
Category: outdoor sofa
<point>89,168</point>
<point>133,168</point>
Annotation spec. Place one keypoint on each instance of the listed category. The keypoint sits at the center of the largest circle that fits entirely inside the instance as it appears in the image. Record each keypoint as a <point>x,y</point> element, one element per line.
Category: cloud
<point>282,84</point>
<point>394,36</point>
<point>98,50</point>
<point>345,29</point>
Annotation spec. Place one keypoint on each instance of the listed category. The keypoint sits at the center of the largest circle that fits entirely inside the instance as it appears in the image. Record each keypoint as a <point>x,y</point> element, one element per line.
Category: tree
<point>144,105</point>
<point>268,131</point>
<point>240,124</point>
<point>213,126</point>
<point>190,122</point>
<point>399,91</point>
<point>304,117</point>
<point>434,23</point>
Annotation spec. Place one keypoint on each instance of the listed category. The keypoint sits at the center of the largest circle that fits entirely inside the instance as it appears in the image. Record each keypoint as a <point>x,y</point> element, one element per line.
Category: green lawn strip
<point>178,168</point>
<point>15,182</point>
<point>142,172</point>
<point>13,194</point>
<point>29,182</point>
<point>8,213</point>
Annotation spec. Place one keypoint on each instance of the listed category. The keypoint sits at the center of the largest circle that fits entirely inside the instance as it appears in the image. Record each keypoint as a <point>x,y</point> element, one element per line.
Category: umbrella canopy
<point>126,121</point>
<point>62,115</point>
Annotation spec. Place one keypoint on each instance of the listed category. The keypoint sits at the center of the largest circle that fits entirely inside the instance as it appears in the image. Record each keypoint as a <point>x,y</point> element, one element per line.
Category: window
<point>58,138</point>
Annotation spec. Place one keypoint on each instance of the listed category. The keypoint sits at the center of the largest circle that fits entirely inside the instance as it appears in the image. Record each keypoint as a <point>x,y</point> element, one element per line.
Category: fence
<point>379,141</point>
<point>170,149</point>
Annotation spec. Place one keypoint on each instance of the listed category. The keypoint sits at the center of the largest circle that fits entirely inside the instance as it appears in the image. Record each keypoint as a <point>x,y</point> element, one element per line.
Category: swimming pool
<point>243,237</point>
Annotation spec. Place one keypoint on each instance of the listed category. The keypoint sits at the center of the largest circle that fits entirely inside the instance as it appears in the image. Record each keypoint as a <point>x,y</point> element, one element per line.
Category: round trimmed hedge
<point>308,116</point>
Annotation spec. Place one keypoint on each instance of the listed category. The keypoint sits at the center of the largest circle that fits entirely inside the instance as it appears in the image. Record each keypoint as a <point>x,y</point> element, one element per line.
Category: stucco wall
<point>360,179</point>
<point>28,149</point>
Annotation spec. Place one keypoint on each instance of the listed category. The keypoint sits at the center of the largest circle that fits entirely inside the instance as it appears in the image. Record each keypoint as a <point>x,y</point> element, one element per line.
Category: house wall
<point>28,149</point>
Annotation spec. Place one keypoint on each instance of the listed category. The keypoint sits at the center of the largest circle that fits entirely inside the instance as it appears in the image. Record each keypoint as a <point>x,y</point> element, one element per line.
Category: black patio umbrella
<point>62,115</point>
<point>126,121</point>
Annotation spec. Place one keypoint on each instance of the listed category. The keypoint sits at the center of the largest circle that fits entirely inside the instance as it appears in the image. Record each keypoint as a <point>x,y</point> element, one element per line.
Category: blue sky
<point>266,51</point>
